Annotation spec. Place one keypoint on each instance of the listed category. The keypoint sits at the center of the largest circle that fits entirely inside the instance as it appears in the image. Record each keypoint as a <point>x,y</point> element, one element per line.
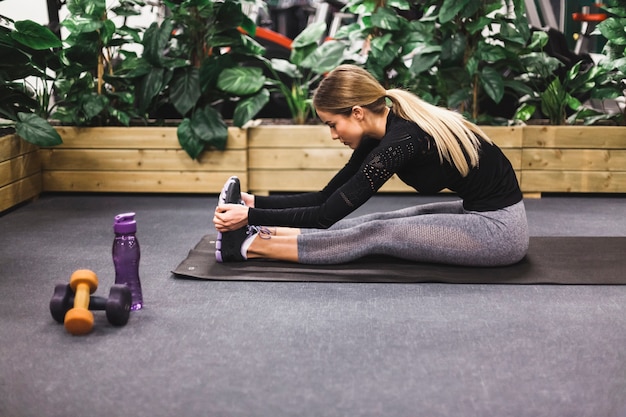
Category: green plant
<point>26,56</point>
<point>559,98</point>
<point>456,53</point>
<point>308,61</point>
<point>615,48</point>
<point>197,59</point>
<point>86,85</point>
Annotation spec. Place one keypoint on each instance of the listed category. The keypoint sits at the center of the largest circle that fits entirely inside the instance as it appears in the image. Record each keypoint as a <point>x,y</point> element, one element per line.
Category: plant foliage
<point>455,53</point>
<point>27,53</point>
<point>296,78</point>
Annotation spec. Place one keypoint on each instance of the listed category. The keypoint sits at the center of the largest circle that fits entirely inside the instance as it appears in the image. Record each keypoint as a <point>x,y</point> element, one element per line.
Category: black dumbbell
<point>117,305</point>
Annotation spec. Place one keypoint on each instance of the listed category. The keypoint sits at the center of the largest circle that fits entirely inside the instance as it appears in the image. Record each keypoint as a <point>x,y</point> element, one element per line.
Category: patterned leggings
<point>442,232</point>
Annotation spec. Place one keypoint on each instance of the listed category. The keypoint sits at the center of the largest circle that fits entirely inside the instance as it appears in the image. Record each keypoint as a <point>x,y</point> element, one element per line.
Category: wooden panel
<point>20,191</point>
<point>139,181</point>
<point>319,136</point>
<point>140,160</point>
<point>297,158</point>
<point>20,171</point>
<point>574,159</point>
<point>505,137</point>
<point>135,137</point>
<point>574,181</point>
<point>579,137</point>
<point>19,167</point>
<point>292,137</point>
<point>12,146</point>
<point>306,180</point>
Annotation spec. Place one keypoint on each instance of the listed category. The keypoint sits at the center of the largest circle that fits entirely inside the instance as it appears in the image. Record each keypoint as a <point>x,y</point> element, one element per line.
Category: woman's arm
<point>319,197</point>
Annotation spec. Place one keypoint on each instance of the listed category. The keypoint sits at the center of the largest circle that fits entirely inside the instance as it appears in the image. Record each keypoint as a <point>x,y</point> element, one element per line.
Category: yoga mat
<point>550,260</point>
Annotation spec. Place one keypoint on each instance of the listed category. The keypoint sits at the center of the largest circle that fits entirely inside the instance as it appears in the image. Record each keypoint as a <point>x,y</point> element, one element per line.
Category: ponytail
<point>456,138</point>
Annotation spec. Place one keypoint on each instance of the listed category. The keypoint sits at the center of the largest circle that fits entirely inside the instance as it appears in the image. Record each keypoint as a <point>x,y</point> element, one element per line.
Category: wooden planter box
<point>579,159</point>
<point>283,158</point>
<point>305,158</point>
<point>138,159</point>
<point>20,171</point>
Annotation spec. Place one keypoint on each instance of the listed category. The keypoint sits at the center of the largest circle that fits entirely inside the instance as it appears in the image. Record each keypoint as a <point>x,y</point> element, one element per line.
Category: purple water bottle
<point>126,257</point>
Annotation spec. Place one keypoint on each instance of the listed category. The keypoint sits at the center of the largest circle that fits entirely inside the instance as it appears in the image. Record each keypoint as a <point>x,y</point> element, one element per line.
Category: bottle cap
<point>125,223</point>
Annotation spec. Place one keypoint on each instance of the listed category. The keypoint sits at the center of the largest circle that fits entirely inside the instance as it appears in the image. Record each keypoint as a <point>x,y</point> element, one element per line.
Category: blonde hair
<point>349,85</point>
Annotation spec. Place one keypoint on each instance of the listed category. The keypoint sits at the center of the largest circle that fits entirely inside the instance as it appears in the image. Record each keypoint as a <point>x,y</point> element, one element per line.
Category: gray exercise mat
<point>550,260</point>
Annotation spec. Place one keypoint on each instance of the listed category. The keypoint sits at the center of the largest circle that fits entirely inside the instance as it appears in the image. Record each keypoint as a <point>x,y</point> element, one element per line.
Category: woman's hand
<point>248,199</point>
<point>229,217</point>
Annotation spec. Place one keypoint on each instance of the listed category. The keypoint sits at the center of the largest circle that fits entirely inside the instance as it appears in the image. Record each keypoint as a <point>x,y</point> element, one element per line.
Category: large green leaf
<point>328,56</point>
<point>386,19</point>
<point>285,67</point>
<point>94,104</point>
<point>107,33</point>
<point>450,8</point>
<point>458,96</point>
<point>229,15</point>
<point>35,36</point>
<point>188,140</point>
<point>241,81</point>
<point>93,8</point>
<point>423,62</point>
<point>525,112</point>
<point>490,53</point>
<point>76,25</point>
<point>210,128</point>
<point>185,89</point>
<point>312,34</point>
<point>614,29</point>
<point>492,83</point>
<point>248,108</point>
<point>36,130</point>
<point>453,48</point>
<point>155,41</point>
<point>149,86</point>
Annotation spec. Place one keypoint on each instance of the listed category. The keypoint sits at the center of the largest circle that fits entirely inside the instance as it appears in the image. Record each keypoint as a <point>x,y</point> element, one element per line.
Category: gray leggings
<point>438,232</point>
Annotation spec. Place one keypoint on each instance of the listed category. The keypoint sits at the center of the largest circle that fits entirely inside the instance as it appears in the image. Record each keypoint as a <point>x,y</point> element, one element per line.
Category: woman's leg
<point>469,238</point>
<point>451,207</point>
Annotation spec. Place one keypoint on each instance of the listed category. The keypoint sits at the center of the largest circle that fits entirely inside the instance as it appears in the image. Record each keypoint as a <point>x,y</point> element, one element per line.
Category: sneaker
<point>232,246</point>
<point>231,192</point>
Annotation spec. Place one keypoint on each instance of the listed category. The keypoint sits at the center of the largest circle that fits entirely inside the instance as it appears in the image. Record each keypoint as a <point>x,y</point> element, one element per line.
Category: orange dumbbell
<point>79,320</point>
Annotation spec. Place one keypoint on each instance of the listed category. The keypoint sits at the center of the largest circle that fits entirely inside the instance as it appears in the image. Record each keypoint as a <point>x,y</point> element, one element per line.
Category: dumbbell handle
<point>81,296</point>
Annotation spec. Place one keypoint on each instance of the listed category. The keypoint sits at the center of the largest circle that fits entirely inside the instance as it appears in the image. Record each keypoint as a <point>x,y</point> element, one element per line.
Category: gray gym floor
<point>203,348</point>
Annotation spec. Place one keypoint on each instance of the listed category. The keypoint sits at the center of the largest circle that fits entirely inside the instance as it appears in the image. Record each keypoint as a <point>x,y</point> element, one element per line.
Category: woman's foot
<point>233,246</point>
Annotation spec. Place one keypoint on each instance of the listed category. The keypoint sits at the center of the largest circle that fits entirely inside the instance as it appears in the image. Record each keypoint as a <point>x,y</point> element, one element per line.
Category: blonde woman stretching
<point>429,148</point>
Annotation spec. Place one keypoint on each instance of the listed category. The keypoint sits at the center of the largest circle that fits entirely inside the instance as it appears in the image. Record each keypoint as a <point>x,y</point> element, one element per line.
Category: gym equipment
<point>71,303</point>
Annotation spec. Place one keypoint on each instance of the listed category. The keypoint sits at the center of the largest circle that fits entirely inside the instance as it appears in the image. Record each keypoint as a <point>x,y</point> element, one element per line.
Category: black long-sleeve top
<point>409,152</point>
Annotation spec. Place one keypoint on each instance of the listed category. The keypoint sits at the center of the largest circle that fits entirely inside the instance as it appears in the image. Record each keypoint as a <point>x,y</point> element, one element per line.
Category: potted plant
<point>27,54</point>
<point>112,86</point>
<point>199,58</point>
<point>27,51</point>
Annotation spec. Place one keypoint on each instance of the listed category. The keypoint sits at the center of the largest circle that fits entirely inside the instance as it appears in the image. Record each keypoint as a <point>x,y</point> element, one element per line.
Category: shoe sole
<point>230,194</point>
<point>234,249</point>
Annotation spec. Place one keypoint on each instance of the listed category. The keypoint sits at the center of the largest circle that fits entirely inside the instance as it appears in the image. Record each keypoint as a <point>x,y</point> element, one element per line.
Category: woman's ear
<point>357,111</point>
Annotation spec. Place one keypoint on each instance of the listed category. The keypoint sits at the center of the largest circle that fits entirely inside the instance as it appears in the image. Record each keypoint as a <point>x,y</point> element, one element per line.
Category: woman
<point>429,148</point>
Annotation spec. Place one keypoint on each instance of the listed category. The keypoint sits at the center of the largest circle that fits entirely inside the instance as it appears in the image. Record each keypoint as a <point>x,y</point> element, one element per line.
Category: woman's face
<point>347,129</point>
